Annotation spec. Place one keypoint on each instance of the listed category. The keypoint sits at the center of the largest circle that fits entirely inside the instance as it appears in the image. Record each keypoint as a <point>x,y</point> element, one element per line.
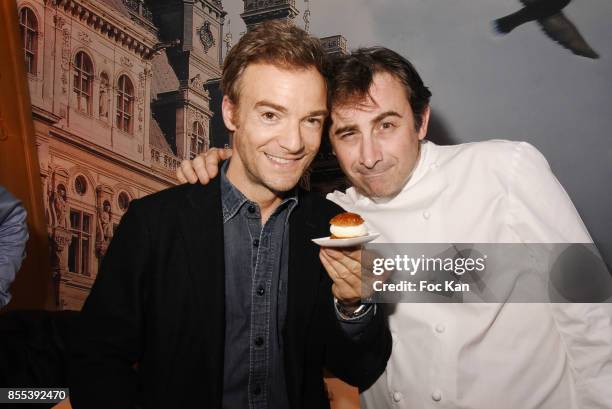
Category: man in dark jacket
<point>214,296</point>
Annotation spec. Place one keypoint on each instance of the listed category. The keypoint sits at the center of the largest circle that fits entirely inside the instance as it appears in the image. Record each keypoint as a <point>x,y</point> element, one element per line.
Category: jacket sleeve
<point>13,238</point>
<point>107,342</point>
<point>358,360</point>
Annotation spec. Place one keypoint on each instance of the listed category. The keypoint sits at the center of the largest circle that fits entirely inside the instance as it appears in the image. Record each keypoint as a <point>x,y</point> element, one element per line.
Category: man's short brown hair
<point>278,43</point>
<point>351,77</point>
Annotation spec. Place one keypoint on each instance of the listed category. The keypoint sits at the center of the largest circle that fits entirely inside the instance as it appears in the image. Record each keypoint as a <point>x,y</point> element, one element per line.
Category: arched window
<point>198,140</point>
<point>125,104</point>
<point>29,37</point>
<point>83,78</point>
<point>124,201</point>
<point>80,185</point>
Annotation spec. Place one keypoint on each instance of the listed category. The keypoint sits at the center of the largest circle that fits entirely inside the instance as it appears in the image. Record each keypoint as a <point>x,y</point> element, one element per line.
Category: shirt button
<point>251,209</point>
<point>257,390</point>
<point>261,291</point>
<point>259,341</point>
<point>256,242</point>
<point>436,396</point>
<point>440,328</point>
<point>397,396</point>
<point>426,215</point>
<point>434,166</point>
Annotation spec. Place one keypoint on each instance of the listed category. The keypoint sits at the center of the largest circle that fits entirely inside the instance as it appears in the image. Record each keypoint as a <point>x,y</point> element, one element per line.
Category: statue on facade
<point>103,97</point>
<point>58,204</point>
<point>105,223</point>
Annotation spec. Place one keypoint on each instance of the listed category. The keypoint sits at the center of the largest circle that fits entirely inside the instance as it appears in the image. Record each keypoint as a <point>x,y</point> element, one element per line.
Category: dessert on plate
<point>347,225</point>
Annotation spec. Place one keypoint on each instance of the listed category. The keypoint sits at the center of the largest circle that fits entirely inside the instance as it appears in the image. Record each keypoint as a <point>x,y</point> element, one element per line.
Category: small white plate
<point>353,241</point>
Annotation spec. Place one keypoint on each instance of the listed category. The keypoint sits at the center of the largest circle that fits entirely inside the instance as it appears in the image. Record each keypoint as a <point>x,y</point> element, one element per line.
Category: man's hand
<point>203,167</point>
<point>344,268</point>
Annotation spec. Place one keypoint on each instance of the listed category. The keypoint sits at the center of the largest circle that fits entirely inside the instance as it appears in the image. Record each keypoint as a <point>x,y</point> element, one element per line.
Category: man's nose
<point>370,153</point>
<point>291,140</point>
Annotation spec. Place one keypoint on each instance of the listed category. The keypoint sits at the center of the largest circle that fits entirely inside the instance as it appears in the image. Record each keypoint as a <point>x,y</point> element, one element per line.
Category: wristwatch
<point>348,315</point>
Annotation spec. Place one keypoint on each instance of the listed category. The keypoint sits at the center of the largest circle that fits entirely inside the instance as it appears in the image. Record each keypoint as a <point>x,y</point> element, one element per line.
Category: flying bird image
<point>552,21</point>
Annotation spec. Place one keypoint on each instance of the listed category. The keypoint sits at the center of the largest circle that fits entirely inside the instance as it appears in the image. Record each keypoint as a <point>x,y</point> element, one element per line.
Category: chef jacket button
<point>397,396</point>
<point>436,395</point>
<point>426,214</point>
<point>440,328</point>
<point>434,166</point>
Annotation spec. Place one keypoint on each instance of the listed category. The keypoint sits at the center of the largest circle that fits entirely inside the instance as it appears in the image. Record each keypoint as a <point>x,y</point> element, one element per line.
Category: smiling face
<point>277,125</point>
<point>375,141</point>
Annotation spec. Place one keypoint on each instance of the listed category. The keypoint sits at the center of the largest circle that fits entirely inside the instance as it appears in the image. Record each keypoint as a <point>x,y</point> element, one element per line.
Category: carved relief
<point>59,22</point>
<point>142,83</point>
<point>206,36</point>
<point>126,62</point>
<point>195,115</point>
<point>65,65</point>
<point>84,37</point>
<point>197,83</point>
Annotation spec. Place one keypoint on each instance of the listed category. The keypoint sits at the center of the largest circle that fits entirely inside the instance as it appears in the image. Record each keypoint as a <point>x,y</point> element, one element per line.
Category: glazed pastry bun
<point>347,225</point>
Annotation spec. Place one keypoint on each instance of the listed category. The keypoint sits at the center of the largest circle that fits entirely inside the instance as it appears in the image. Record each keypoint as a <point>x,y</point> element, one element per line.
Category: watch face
<point>206,36</point>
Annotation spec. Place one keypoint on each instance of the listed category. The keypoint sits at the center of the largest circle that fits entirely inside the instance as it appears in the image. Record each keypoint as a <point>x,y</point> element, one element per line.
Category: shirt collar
<point>232,199</point>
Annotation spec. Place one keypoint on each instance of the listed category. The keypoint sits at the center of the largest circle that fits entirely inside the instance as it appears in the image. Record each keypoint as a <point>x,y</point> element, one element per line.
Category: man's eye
<point>269,116</point>
<point>346,135</point>
<point>314,121</point>
<point>387,125</point>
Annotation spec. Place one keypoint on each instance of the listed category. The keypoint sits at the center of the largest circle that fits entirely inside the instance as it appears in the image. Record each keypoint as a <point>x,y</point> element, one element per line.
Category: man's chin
<point>377,191</point>
<point>281,187</point>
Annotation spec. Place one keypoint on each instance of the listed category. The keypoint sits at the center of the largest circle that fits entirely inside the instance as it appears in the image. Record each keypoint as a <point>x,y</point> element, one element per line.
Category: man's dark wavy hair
<point>350,78</point>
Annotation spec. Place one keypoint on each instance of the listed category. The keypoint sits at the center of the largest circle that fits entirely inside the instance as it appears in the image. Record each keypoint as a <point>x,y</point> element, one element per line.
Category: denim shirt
<point>256,271</point>
<point>13,238</point>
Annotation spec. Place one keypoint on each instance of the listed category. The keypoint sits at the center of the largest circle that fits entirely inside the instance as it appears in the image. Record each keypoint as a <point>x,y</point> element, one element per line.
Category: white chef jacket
<point>485,356</point>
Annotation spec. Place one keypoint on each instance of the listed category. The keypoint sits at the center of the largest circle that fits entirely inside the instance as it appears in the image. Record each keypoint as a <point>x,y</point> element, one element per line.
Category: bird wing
<point>559,3</point>
<point>563,31</point>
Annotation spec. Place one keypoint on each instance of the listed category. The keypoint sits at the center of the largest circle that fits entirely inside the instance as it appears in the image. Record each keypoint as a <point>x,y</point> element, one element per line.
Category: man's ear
<point>230,112</point>
<point>424,123</point>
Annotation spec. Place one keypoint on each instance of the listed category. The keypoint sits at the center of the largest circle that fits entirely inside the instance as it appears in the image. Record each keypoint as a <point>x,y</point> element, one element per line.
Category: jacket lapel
<point>202,226</point>
<point>304,278</point>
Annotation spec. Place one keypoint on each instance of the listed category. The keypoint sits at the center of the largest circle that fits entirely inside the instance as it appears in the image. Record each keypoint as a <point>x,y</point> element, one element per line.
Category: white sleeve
<point>586,331</point>
<point>540,209</point>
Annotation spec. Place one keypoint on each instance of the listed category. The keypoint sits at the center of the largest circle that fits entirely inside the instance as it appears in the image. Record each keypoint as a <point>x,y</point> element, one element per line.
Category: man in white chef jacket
<point>474,356</point>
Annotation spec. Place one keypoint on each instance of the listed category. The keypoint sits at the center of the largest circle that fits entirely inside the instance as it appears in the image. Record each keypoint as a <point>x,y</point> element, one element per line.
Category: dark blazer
<point>152,330</point>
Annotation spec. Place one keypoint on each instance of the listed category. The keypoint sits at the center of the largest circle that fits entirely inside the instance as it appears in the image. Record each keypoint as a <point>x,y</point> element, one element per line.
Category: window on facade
<point>83,78</point>
<point>197,143</point>
<point>29,37</point>
<point>80,185</point>
<point>125,104</point>
<point>80,245</point>
<point>124,201</point>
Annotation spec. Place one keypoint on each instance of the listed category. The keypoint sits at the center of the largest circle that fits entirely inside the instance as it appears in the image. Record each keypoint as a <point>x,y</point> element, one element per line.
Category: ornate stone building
<point>121,92</point>
<point>118,100</point>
